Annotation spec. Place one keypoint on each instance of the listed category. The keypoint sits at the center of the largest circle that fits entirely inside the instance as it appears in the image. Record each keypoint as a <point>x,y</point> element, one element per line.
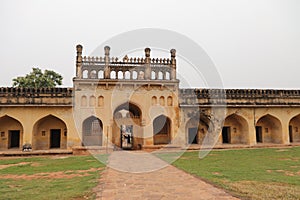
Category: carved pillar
<point>147,64</point>
<point>106,59</point>
<point>131,77</point>
<point>173,64</point>
<point>79,61</point>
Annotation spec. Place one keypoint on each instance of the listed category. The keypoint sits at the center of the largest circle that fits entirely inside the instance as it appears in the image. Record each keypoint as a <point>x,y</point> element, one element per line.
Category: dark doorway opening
<point>14,139</point>
<point>126,136</point>
<point>192,137</point>
<point>258,130</point>
<point>291,133</point>
<point>226,134</point>
<point>55,138</point>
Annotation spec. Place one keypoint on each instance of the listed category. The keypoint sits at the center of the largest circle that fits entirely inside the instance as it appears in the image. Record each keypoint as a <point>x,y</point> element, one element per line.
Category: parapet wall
<point>127,68</point>
<point>188,97</point>
<point>239,97</point>
<point>35,96</point>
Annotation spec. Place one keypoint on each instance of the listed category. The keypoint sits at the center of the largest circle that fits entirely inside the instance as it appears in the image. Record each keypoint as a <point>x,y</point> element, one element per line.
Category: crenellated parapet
<point>239,97</point>
<point>126,68</point>
<point>35,96</point>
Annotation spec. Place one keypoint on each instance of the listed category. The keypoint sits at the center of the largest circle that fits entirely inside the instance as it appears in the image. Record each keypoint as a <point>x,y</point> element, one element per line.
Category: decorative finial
<point>106,50</point>
<point>147,52</point>
<point>79,48</point>
<point>173,53</point>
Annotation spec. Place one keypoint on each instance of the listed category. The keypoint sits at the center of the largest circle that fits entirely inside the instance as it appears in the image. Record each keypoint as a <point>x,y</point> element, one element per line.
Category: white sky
<point>254,44</point>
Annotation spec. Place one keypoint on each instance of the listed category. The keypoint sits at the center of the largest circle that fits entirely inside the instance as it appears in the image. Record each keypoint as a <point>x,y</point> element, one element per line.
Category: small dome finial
<point>79,48</point>
<point>173,53</point>
<point>106,50</point>
<point>147,52</point>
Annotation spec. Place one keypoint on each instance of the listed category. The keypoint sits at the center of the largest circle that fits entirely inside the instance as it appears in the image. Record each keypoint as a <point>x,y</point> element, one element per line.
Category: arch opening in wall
<point>170,101</point>
<point>49,132</point>
<point>154,101</point>
<point>11,133</point>
<point>83,102</point>
<point>120,75</point>
<point>127,131</point>
<point>268,130</point>
<point>153,75</point>
<point>113,75</point>
<point>100,101</point>
<point>92,101</point>
<point>132,108</point>
<point>127,75</point>
<point>167,76</point>
<point>162,100</point>
<point>160,76</point>
<point>85,74</point>
<point>161,130</point>
<point>92,132</point>
<point>101,74</point>
<point>134,75</point>
<point>294,129</point>
<point>93,74</point>
<point>141,75</point>
<point>196,130</point>
<point>235,130</point>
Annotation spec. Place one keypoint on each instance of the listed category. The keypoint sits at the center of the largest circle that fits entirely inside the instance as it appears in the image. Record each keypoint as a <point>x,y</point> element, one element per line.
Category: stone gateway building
<point>136,103</point>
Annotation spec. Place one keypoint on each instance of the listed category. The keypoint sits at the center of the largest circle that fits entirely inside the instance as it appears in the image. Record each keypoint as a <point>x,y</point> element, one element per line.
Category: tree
<point>38,79</point>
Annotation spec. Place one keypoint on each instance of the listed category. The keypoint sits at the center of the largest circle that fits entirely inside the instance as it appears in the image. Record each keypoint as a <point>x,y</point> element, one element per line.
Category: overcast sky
<point>254,44</point>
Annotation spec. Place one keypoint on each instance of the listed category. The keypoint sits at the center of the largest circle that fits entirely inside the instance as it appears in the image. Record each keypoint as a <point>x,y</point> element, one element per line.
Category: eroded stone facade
<point>137,103</point>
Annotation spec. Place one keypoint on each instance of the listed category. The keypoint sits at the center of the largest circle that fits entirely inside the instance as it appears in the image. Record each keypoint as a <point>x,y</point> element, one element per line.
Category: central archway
<point>127,129</point>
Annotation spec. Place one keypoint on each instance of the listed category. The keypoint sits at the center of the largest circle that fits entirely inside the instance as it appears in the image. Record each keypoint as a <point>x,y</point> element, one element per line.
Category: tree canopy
<point>38,79</point>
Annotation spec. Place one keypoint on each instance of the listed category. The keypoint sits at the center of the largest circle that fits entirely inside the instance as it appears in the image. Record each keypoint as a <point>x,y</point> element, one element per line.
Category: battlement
<point>239,97</point>
<point>35,96</point>
<point>107,67</point>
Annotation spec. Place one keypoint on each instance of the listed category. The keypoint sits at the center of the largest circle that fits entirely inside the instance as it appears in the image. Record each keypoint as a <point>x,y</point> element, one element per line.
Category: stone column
<point>285,137</point>
<point>173,64</point>
<point>28,134</point>
<point>147,64</point>
<point>106,59</point>
<point>79,61</point>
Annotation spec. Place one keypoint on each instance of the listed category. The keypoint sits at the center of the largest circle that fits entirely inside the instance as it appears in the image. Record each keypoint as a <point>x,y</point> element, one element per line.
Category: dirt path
<point>166,183</point>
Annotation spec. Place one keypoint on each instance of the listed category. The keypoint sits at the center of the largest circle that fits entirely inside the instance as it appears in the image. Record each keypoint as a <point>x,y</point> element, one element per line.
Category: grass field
<point>55,177</point>
<point>249,173</point>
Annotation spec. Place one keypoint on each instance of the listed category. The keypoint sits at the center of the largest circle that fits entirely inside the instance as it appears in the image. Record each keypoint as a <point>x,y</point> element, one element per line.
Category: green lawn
<point>250,173</point>
<point>55,177</point>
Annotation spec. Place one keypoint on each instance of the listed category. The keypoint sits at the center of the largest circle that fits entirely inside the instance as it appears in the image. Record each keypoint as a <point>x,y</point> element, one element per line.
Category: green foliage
<point>38,79</point>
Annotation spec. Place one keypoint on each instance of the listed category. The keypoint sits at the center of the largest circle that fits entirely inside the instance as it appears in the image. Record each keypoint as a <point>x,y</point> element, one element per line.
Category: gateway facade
<point>136,103</point>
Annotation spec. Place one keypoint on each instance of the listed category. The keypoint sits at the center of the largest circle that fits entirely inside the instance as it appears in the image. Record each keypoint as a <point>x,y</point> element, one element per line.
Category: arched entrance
<point>161,130</point>
<point>196,131</point>
<point>11,133</point>
<point>235,130</point>
<point>49,132</point>
<point>92,132</point>
<point>268,130</point>
<point>294,129</point>
<point>127,130</point>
